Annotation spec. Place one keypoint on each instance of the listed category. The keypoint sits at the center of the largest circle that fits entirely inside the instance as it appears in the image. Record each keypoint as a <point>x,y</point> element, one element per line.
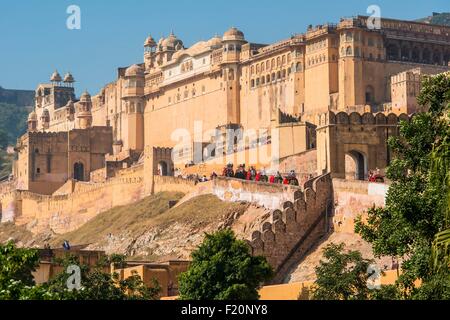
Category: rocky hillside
<point>442,19</point>
<point>22,98</point>
<point>150,230</point>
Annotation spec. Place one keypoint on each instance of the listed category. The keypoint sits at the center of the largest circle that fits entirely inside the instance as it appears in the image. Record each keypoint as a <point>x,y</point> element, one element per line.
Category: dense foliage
<point>16,280</point>
<point>222,268</point>
<point>345,275</point>
<point>13,121</point>
<point>417,203</point>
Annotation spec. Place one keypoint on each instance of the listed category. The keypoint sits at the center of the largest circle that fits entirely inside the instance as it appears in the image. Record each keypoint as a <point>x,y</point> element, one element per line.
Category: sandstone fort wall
<point>75,203</point>
<point>295,228</point>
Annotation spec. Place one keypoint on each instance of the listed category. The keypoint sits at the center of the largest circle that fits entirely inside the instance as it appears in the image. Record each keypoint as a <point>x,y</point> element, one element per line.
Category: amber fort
<point>322,103</point>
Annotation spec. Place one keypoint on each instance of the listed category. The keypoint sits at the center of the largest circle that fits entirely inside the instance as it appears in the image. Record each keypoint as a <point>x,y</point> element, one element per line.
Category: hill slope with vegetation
<point>149,229</point>
<point>442,19</point>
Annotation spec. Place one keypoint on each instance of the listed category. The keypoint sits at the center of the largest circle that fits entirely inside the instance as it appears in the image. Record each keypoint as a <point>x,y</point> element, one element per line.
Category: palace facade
<point>227,82</point>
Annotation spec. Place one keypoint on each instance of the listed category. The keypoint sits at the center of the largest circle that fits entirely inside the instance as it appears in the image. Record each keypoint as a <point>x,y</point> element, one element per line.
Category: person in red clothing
<point>285,180</point>
<point>272,179</point>
<point>258,176</point>
<point>249,175</point>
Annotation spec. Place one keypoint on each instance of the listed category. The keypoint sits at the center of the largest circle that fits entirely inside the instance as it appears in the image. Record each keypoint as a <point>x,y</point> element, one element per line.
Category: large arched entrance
<point>355,166</point>
<point>78,171</point>
<point>162,168</point>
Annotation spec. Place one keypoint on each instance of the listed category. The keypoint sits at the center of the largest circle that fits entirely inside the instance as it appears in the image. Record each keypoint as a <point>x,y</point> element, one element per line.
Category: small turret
<point>32,122</point>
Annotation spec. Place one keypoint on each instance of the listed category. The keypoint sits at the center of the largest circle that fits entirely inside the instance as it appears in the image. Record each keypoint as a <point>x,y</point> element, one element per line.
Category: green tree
<point>222,268</point>
<point>98,284</point>
<point>13,120</point>
<point>342,276</point>
<point>417,201</point>
<point>16,279</point>
<point>16,267</point>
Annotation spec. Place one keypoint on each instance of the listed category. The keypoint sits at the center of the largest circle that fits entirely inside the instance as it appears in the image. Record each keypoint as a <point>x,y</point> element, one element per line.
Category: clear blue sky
<point>34,39</point>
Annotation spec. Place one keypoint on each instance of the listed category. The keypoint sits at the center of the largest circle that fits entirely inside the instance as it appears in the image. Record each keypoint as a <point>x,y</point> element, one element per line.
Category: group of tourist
<point>375,176</point>
<point>257,175</point>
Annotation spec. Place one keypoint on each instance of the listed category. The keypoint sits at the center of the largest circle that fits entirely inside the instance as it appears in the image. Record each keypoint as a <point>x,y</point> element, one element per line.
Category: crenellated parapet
<point>356,118</point>
<point>296,227</point>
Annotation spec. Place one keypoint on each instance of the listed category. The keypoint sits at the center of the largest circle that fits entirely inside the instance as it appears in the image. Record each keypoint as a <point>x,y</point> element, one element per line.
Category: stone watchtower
<point>84,115</point>
<point>32,122</point>
<point>134,102</point>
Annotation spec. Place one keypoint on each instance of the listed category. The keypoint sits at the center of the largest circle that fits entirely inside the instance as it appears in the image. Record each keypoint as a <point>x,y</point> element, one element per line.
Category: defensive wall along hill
<point>300,216</point>
<point>298,220</point>
<point>75,203</point>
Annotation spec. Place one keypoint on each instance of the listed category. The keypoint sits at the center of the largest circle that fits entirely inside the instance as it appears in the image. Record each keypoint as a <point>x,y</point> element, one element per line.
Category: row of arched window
<point>319,59</point>
<point>270,78</point>
<point>232,48</point>
<point>187,66</point>
<point>316,45</point>
<point>177,97</point>
<point>418,54</point>
<point>371,41</point>
<point>135,107</point>
<point>269,65</point>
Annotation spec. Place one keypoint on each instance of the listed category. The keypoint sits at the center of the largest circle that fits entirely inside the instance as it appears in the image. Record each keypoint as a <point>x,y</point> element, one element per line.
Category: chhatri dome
<point>171,42</point>
<point>150,42</point>
<point>215,41</point>
<point>134,71</point>
<point>85,97</point>
<point>233,34</point>
<point>32,116</point>
<point>55,77</point>
<point>69,78</point>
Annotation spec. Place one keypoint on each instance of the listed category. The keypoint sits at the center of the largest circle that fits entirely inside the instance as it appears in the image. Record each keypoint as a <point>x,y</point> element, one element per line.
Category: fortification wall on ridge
<point>77,202</point>
<point>295,228</point>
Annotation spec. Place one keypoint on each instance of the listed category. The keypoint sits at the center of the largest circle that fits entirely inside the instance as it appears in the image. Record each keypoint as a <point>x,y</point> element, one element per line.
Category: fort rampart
<point>75,203</point>
<point>295,228</point>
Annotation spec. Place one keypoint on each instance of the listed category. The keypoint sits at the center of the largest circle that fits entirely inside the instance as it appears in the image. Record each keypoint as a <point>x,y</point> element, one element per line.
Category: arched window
<point>289,57</point>
<point>252,83</point>
<point>283,60</point>
<point>162,169</point>
<point>268,78</point>
<point>370,95</point>
<point>252,70</point>
<point>348,36</point>
<point>278,75</point>
<point>348,51</point>
<point>273,77</point>
<point>393,52</point>
<point>278,61</point>
<point>257,69</point>
<point>263,80</point>
<point>415,54</point>
<point>298,67</point>
<point>267,65</point>
<point>405,53</point>
<point>78,171</point>
<point>437,57</point>
<point>257,81</point>
<point>426,55</point>
<point>231,75</point>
